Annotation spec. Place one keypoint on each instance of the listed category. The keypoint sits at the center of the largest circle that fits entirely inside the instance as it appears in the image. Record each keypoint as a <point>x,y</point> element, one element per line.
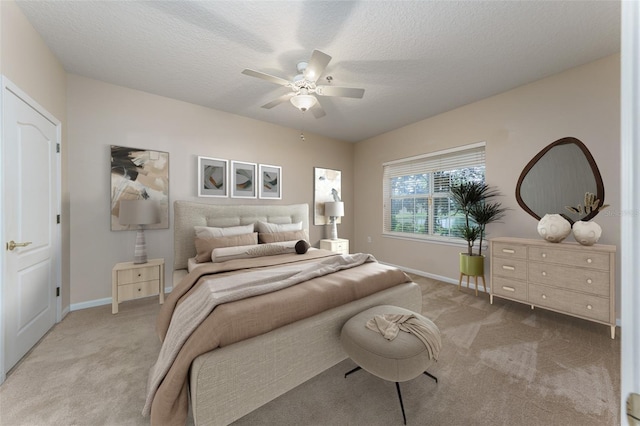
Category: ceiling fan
<point>304,85</point>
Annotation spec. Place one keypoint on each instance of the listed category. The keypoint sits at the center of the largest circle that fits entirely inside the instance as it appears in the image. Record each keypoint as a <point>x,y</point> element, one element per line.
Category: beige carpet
<point>501,364</point>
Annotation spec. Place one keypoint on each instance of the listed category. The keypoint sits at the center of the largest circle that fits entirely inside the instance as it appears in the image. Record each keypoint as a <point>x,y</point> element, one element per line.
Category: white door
<point>630,214</point>
<point>30,205</point>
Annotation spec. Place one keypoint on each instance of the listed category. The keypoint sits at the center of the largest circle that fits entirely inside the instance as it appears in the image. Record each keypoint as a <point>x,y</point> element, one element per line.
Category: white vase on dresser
<point>569,278</point>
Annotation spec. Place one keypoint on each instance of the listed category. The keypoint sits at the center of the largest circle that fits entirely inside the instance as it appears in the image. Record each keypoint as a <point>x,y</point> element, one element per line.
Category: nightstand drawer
<point>134,280</point>
<point>340,245</point>
<point>138,275</point>
<point>136,290</point>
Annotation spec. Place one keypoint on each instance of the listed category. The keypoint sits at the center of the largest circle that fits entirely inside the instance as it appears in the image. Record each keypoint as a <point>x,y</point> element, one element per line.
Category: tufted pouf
<point>403,358</point>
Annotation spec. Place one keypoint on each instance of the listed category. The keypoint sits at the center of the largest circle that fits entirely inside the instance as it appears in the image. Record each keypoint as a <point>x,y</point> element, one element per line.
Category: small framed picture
<point>270,182</point>
<point>243,180</point>
<point>213,177</point>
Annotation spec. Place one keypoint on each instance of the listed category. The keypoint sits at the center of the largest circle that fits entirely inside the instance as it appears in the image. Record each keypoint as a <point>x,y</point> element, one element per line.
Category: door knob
<point>12,244</point>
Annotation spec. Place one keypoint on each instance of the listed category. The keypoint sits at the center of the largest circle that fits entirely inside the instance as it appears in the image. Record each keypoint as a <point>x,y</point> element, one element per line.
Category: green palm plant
<point>470,199</point>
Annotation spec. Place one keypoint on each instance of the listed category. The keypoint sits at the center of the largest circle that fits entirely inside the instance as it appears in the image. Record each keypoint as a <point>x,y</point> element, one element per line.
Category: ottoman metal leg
<point>353,371</point>
<point>432,376</point>
<point>404,418</point>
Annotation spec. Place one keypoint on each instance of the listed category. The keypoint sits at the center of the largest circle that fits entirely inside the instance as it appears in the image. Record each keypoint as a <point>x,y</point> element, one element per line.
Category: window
<point>416,191</point>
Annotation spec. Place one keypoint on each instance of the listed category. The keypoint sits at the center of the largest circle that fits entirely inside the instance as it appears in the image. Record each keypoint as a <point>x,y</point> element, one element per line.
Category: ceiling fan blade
<point>278,101</point>
<point>317,110</point>
<point>344,92</point>
<point>268,77</point>
<point>316,65</point>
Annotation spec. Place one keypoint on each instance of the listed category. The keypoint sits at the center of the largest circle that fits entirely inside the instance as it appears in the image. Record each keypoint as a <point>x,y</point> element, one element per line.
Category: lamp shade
<point>334,209</point>
<point>138,212</point>
<point>303,101</point>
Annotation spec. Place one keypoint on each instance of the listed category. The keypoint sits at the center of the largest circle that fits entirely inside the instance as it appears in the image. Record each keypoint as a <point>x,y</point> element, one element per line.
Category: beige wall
<point>27,61</point>
<point>582,102</point>
<point>102,114</point>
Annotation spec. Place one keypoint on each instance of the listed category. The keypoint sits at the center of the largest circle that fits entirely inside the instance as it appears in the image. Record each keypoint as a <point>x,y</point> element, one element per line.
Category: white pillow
<point>222,254</point>
<point>211,232</point>
<point>266,227</point>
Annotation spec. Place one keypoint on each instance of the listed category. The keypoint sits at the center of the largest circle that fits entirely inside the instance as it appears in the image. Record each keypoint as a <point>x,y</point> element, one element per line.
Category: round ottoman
<point>403,358</point>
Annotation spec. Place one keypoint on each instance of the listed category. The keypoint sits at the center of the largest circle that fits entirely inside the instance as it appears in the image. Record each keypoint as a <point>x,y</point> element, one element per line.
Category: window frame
<point>468,156</point>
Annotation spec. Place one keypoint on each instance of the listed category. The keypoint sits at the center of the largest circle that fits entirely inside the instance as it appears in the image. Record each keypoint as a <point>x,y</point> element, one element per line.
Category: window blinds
<point>451,159</point>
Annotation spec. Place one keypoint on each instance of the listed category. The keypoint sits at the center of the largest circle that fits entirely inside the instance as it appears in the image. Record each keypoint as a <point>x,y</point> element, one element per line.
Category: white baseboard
<point>101,302</point>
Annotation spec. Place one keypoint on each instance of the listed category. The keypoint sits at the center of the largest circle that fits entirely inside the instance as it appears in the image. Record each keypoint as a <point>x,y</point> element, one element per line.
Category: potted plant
<point>471,199</point>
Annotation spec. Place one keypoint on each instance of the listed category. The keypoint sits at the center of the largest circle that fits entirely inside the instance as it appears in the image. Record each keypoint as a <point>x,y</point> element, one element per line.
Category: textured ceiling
<point>415,59</point>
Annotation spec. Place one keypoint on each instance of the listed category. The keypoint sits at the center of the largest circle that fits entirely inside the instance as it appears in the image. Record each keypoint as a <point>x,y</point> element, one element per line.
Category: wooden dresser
<point>564,277</point>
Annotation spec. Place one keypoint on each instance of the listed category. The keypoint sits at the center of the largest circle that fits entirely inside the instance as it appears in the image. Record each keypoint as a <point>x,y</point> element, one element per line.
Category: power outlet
<point>369,240</point>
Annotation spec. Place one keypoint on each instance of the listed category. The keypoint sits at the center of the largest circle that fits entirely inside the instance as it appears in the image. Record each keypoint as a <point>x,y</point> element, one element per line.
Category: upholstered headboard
<point>188,214</point>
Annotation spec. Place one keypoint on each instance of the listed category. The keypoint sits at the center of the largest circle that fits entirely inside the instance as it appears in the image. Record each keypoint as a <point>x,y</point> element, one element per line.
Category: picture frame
<point>327,186</point>
<point>213,177</point>
<point>139,173</point>
<point>270,182</point>
<point>243,179</point>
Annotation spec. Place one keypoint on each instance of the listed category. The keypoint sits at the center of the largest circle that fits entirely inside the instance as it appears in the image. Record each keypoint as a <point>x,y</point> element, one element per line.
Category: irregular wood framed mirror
<point>558,177</point>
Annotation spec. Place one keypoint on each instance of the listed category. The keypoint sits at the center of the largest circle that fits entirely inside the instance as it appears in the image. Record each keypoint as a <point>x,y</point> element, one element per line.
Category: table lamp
<point>139,213</point>
<point>334,210</point>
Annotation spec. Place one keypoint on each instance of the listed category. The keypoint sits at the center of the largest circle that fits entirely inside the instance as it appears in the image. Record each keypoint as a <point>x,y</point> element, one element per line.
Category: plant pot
<point>471,265</point>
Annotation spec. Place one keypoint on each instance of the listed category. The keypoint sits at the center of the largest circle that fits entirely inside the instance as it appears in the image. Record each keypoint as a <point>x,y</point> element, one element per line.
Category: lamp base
<point>334,230</point>
<point>140,252</point>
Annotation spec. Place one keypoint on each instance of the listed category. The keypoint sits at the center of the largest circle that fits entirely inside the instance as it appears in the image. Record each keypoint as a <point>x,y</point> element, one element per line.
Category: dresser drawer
<point>512,289</point>
<point>581,258</point>
<point>136,290</point>
<point>581,279</point>
<point>584,305</point>
<point>509,268</point>
<point>510,251</point>
<point>138,275</point>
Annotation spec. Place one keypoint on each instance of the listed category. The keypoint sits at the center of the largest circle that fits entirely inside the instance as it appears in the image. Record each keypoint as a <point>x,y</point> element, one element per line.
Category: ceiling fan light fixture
<point>303,102</point>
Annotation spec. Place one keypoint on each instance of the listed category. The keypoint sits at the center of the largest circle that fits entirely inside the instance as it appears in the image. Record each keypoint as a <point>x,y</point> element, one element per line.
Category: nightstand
<point>338,246</point>
<point>135,280</point>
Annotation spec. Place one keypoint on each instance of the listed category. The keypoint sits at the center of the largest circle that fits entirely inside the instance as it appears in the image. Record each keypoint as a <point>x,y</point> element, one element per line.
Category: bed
<point>230,381</point>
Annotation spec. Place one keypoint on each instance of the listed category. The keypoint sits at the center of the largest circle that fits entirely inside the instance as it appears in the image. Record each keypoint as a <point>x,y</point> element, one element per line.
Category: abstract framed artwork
<point>327,187</point>
<point>213,177</point>
<point>270,182</point>
<point>243,179</point>
<point>139,174</point>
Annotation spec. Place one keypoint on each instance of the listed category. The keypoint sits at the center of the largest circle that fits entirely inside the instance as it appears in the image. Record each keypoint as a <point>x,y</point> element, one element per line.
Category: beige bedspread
<point>246,318</point>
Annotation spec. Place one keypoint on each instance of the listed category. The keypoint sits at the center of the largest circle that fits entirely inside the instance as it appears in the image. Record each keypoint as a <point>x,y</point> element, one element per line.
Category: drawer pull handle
<point>589,307</point>
<point>508,268</point>
<point>544,274</point>
<point>589,260</point>
<point>544,296</point>
<point>139,274</point>
<point>504,287</point>
<point>589,281</point>
<point>544,255</point>
<point>139,289</point>
<point>510,251</point>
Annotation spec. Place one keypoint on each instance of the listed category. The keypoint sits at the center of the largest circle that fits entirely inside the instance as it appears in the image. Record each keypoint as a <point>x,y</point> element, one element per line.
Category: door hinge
<point>57,291</point>
<point>58,218</point>
<point>58,148</point>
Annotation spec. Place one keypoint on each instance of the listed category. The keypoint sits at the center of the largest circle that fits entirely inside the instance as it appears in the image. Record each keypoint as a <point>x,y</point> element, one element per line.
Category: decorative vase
<point>472,265</point>
<point>586,233</point>
<point>554,228</point>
